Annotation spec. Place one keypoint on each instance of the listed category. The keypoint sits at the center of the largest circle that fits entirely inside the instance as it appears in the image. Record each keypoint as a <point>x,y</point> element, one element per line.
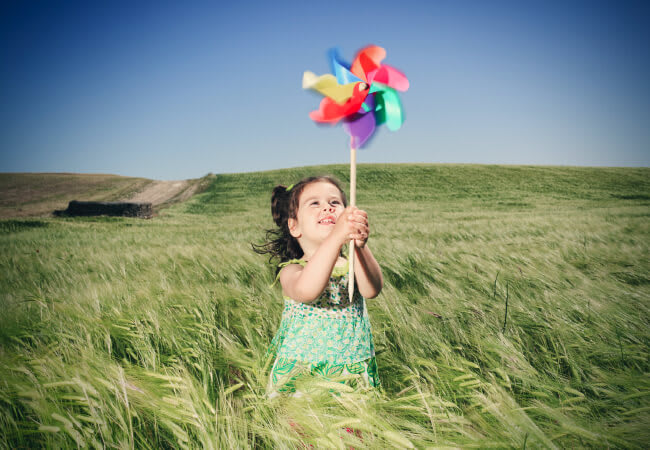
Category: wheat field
<point>515,314</point>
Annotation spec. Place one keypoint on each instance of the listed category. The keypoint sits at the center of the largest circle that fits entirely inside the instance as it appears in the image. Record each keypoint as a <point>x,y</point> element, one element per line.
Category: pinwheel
<point>361,96</point>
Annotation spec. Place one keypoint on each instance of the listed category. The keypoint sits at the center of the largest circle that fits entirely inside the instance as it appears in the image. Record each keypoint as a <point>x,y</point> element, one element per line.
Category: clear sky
<point>174,90</point>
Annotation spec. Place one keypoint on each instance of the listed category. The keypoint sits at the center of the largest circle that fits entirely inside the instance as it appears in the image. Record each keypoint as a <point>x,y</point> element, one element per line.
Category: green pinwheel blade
<point>380,108</point>
<point>388,108</point>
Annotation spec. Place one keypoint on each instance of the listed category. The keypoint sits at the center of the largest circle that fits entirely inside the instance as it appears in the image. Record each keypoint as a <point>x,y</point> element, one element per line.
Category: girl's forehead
<point>320,188</point>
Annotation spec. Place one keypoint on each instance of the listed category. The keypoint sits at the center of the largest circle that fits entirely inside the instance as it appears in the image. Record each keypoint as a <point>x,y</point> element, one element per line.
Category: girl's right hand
<point>351,224</point>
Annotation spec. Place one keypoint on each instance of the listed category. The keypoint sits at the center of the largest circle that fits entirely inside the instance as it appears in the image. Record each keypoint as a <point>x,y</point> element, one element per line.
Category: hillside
<point>515,313</point>
<point>39,194</point>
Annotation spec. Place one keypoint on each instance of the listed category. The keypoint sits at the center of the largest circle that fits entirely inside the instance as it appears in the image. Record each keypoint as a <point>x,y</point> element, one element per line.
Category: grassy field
<point>515,313</point>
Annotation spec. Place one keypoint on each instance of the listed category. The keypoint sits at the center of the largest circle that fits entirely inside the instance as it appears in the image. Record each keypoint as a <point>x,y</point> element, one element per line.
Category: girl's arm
<point>305,284</point>
<point>367,273</point>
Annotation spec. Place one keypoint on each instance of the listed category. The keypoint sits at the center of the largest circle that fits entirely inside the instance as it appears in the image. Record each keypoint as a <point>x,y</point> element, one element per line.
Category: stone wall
<point>78,208</point>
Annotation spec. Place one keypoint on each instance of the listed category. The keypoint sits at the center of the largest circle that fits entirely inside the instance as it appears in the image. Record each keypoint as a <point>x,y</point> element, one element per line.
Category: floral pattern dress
<point>329,337</point>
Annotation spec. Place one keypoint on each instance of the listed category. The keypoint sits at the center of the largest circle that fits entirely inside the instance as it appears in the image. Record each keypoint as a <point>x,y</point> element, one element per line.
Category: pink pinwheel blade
<point>392,77</point>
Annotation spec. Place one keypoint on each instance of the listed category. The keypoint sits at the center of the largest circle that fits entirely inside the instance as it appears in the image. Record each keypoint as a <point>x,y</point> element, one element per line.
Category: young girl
<point>323,332</point>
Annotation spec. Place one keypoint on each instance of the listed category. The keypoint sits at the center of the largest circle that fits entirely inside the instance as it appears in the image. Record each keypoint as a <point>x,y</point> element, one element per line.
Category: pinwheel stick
<point>353,202</point>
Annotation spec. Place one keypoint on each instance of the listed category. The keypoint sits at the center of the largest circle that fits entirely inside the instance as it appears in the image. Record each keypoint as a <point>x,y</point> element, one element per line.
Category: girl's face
<point>319,207</point>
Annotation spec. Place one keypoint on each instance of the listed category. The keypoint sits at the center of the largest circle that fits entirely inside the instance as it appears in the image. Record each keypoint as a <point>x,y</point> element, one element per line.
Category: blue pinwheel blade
<point>341,69</point>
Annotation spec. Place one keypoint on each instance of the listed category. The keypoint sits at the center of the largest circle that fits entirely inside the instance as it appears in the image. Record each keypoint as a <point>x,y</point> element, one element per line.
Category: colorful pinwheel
<point>363,96</point>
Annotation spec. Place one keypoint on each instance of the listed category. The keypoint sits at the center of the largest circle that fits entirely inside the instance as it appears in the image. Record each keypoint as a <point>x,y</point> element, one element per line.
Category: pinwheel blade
<point>327,85</point>
<point>331,111</point>
<point>392,77</point>
<point>367,60</point>
<point>360,128</point>
<point>388,108</point>
<point>341,69</point>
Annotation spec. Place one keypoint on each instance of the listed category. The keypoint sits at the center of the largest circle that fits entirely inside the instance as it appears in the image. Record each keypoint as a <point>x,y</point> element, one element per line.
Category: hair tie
<point>289,188</point>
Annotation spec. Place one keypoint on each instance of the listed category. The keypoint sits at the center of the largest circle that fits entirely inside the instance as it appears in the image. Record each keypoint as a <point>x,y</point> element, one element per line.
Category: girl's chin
<point>324,232</point>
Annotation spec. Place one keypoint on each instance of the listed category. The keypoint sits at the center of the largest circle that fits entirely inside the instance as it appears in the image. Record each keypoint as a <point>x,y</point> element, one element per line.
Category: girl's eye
<point>335,202</point>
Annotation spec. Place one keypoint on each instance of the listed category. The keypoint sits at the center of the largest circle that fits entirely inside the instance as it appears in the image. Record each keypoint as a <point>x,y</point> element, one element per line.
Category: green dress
<point>329,337</point>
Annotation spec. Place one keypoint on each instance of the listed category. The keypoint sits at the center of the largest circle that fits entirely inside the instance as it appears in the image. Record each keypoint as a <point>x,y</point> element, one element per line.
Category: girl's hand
<point>352,224</point>
<point>360,218</point>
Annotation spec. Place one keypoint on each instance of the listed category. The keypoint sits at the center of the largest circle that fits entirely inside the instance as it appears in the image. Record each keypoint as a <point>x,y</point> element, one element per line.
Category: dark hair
<point>284,206</point>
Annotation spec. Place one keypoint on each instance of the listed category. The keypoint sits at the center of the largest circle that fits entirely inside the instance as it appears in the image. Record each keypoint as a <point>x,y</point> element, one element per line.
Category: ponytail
<point>279,243</point>
<point>280,200</point>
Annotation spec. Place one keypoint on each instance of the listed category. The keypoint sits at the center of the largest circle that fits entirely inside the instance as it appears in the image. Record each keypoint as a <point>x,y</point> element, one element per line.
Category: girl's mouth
<point>329,220</point>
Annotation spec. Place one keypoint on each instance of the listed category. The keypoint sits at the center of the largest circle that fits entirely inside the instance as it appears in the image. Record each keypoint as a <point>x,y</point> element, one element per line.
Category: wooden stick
<point>353,202</point>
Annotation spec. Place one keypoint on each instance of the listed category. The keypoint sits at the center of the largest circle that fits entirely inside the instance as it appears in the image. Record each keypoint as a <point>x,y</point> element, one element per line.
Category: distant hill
<point>39,194</point>
<point>394,188</point>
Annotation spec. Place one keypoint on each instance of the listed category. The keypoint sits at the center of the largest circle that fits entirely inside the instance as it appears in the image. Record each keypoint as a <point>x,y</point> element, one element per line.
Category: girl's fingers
<point>356,237</point>
<point>360,228</point>
<point>358,219</point>
<point>354,211</point>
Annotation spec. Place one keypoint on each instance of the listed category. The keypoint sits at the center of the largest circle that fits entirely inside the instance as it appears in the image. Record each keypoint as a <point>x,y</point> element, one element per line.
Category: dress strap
<point>282,265</point>
<point>337,271</point>
<point>302,262</point>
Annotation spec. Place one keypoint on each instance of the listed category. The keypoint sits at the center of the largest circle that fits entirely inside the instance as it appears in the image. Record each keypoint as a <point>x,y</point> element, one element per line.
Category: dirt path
<point>159,192</point>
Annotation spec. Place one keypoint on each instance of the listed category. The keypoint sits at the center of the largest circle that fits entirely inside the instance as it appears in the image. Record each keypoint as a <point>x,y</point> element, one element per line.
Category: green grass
<point>123,332</point>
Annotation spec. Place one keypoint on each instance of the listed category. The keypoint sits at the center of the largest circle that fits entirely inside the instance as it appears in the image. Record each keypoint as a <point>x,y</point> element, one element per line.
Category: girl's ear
<point>293,228</point>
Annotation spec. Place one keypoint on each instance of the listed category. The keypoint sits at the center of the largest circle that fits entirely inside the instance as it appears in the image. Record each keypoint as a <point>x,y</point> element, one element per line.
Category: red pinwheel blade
<point>367,60</point>
<point>331,112</point>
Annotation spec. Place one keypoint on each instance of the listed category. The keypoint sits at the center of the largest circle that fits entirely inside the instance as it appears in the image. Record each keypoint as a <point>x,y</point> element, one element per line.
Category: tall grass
<point>149,334</point>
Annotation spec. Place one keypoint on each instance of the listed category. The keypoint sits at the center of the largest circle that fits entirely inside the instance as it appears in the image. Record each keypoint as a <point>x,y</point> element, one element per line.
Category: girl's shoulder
<point>284,264</point>
<point>338,271</point>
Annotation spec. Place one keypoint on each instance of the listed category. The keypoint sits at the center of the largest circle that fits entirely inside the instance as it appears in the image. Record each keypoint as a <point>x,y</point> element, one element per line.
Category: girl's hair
<point>284,206</point>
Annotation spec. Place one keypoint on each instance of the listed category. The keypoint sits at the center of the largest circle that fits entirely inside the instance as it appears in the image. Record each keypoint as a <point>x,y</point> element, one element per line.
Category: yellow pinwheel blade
<point>327,85</point>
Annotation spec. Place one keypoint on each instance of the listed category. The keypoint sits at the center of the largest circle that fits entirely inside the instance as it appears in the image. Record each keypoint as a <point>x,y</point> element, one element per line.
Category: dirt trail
<point>159,192</point>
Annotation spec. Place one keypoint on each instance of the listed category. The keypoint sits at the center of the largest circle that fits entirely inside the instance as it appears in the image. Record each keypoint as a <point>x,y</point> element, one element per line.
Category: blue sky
<point>172,90</point>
